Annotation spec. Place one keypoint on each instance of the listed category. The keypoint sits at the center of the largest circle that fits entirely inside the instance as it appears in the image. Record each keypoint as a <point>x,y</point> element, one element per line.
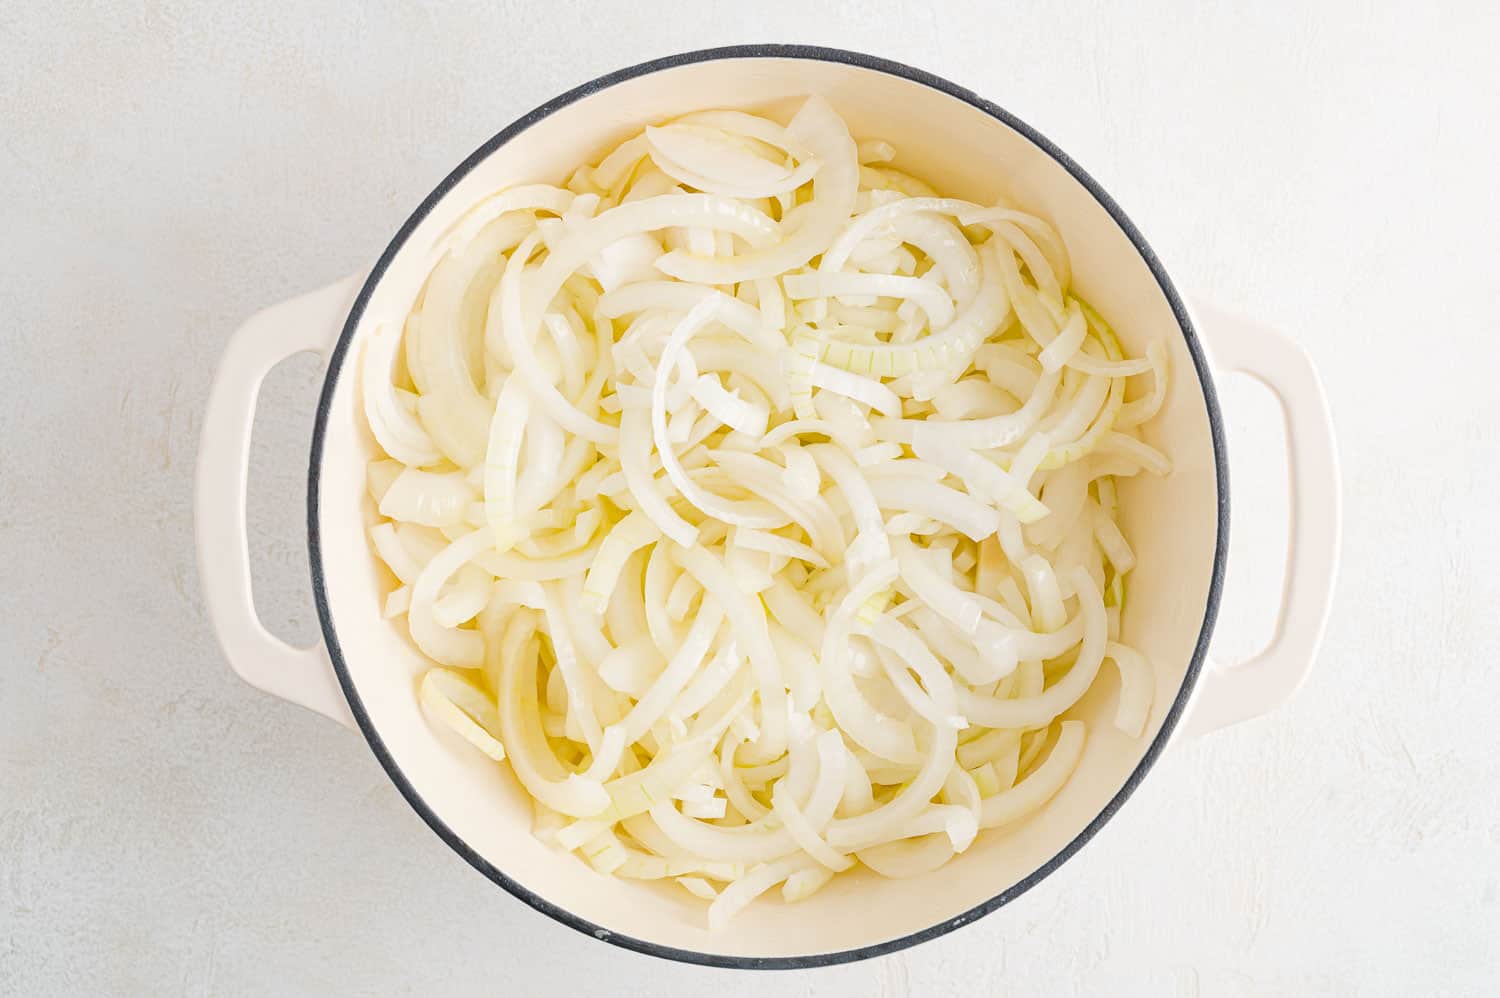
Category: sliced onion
<point>674,297</point>
<point>861,389</point>
<point>737,895</point>
<point>757,587</point>
<point>527,197</point>
<point>393,424</point>
<point>747,619</point>
<point>531,760</point>
<point>449,646</point>
<point>465,708</point>
<point>818,128</point>
<point>702,158</point>
<point>946,352</point>
<point>728,408</point>
<point>625,538</point>
<point>927,295</point>
<point>1039,710</point>
<point>1041,785</point>
<point>1137,687</point>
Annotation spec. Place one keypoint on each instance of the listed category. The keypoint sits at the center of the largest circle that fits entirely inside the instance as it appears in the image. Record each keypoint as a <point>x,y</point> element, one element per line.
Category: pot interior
<point>1173,522</point>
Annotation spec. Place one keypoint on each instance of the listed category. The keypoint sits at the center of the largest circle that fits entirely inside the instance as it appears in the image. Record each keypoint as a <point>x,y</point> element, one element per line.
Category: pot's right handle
<point>1230,694</point>
<point>304,676</point>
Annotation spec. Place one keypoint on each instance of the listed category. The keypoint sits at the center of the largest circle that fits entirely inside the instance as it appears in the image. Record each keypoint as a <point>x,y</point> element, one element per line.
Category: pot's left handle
<point>310,322</point>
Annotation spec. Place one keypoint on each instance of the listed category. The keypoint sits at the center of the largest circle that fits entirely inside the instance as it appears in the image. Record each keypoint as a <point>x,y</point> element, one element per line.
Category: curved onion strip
<point>1142,410</point>
<point>453,409</point>
<point>802,831</point>
<point>674,297</point>
<point>955,821</point>
<point>855,487</point>
<point>813,515</point>
<point>861,389</point>
<point>926,295</point>
<point>393,425</point>
<point>804,883</point>
<point>756,842</point>
<point>800,475</point>
<point>519,333</point>
<point>823,133</point>
<point>1089,364</point>
<point>958,510</point>
<point>1069,423</point>
<point>1137,686</point>
<point>997,431</point>
<point>1008,367</point>
<point>467,595</point>
<point>751,126</point>
<point>1047,241</point>
<point>884,822</point>
<point>1048,289</point>
<point>876,219</point>
<point>700,497</point>
<point>728,408</point>
<point>760,540</point>
<point>921,704</point>
<point>982,477</point>
<point>528,197</point>
<point>1064,347</point>
<point>936,592</point>
<point>624,539</point>
<point>636,439</point>
<point>576,682</point>
<point>747,618</point>
<point>1034,712</point>
<point>949,350</point>
<point>1142,454</point>
<point>904,858</point>
<point>709,682</point>
<point>465,708</point>
<point>502,464</point>
<point>737,895</point>
<point>971,398</point>
<point>944,244</point>
<point>428,498</point>
<point>613,169</point>
<point>875,733</point>
<point>510,565</point>
<point>653,703</point>
<point>449,646</point>
<point>798,427</point>
<point>762,369</point>
<point>701,160</point>
<point>1041,785</point>
<point>636,793</point>
<point>630,668</point>
<point>974,666</point>
<point>397,602</point>
<point>520,725</point>
<point>988,747</point>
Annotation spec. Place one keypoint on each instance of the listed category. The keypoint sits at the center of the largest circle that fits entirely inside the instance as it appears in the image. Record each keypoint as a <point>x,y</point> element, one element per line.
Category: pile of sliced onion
<point>757,509</point>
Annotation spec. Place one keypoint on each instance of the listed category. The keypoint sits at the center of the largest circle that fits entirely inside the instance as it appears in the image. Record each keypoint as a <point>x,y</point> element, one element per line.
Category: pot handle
<point>1230,693</point>
<point>310,322</point>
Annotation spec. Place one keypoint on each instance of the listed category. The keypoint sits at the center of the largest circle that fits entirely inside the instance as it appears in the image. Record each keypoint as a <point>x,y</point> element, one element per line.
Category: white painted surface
<point>167,170</point>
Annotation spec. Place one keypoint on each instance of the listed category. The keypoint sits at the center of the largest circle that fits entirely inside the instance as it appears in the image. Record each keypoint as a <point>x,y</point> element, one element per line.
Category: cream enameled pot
<point>362,674</point>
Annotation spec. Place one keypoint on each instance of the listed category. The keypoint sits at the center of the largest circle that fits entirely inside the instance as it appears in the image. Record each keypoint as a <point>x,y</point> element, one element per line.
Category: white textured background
<point>167,168</point>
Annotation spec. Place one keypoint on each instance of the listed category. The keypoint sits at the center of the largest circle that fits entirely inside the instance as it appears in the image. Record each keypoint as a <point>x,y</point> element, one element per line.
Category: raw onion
<point>757,508</point>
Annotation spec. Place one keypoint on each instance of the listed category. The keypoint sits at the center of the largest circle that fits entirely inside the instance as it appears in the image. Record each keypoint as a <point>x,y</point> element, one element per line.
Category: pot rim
<point>319,580</point>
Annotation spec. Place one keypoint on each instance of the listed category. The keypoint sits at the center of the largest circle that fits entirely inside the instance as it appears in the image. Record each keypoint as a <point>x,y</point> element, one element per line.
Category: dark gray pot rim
<point>315,552</point>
